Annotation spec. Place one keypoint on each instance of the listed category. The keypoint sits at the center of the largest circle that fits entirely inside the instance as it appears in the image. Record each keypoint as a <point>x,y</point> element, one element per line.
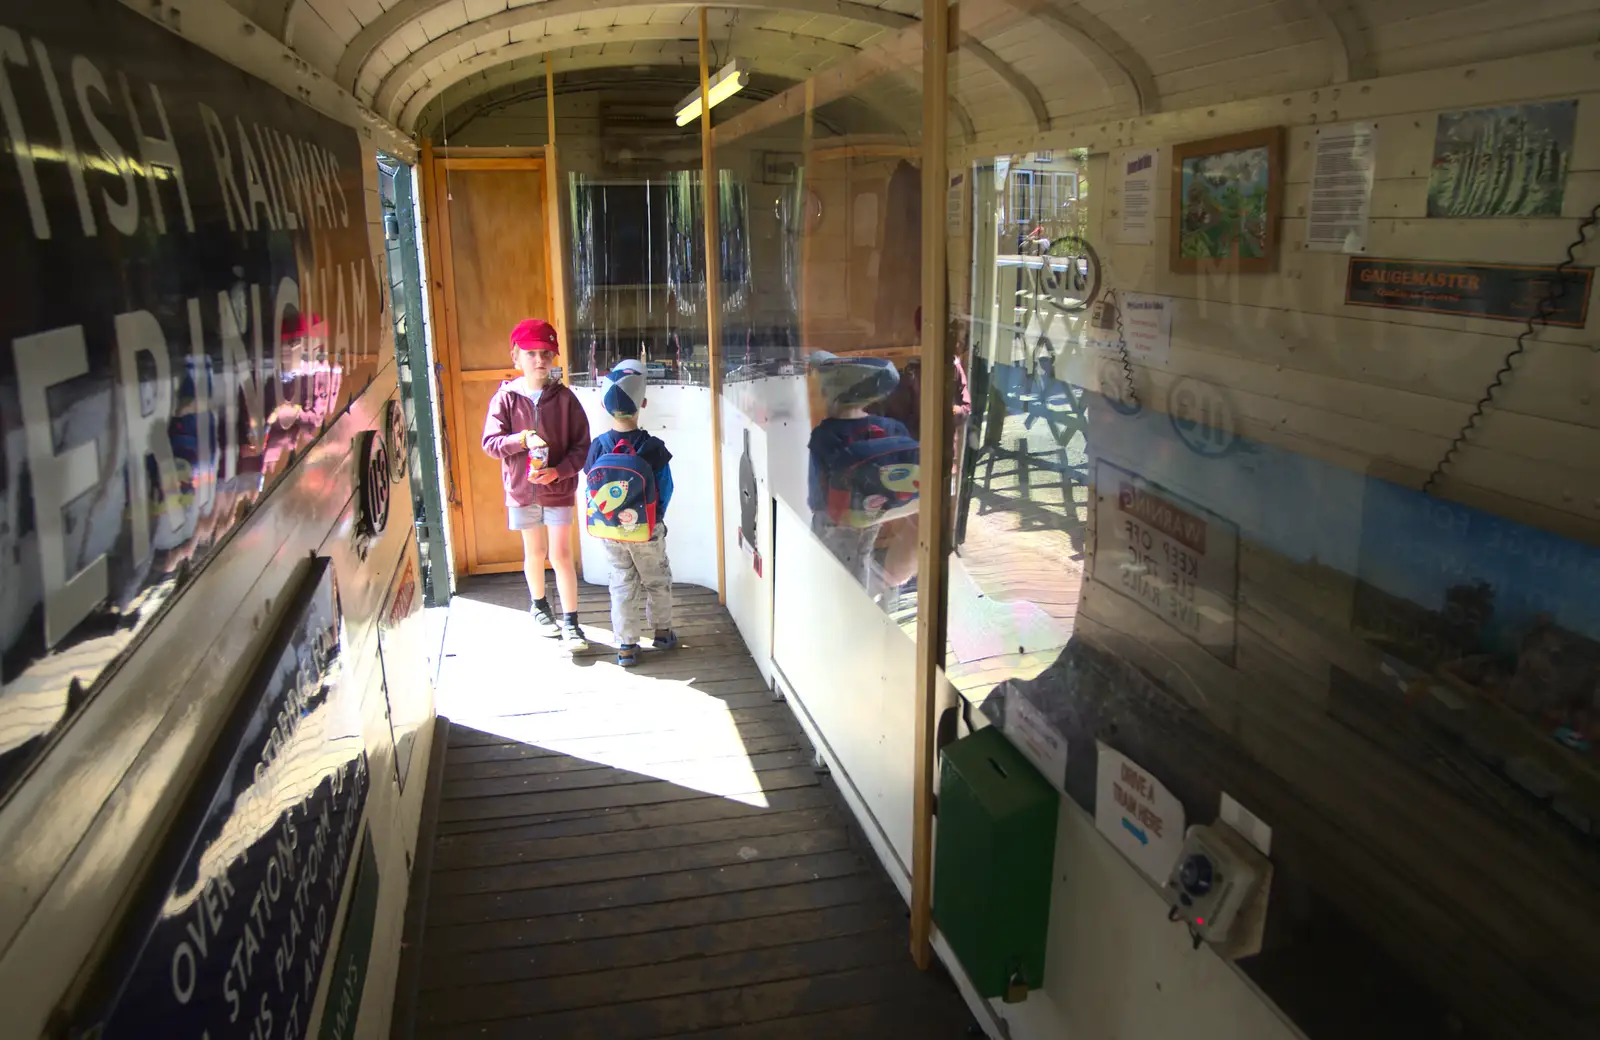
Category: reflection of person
<point>864,475</point>
<point>295,419</point>
<point>641,575</point>
<point>904,402</point>
<point>538,431</point>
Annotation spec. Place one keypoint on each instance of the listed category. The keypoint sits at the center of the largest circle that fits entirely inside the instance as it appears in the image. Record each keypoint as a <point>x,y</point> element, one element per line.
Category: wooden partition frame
<point>460,429</point>
<point>556,218</point>
<point>933,534</point>
<point>708,191</point>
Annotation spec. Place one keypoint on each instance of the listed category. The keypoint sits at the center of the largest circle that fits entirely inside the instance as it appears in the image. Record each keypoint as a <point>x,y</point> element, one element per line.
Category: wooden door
<point>490,247</point>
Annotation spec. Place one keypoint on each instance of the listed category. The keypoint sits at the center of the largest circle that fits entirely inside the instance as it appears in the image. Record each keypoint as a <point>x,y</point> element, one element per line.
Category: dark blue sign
<point>1553,294</point>
<point>237,921</point>
<point>188,300</point>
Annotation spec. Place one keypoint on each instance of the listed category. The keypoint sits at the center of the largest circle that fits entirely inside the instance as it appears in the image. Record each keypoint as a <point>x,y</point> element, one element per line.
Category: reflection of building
<point>1041,198</point>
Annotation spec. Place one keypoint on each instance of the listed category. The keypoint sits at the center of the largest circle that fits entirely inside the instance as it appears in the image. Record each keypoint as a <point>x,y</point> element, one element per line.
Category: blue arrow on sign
<point>1136,832</point>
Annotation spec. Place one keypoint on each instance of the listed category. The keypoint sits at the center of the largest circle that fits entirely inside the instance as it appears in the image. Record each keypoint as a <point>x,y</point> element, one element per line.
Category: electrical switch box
<point>1217,884</point>
<point>994,858</point>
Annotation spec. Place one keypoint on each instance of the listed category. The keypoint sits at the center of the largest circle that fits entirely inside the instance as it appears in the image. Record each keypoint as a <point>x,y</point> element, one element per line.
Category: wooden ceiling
<point>1023,64</point>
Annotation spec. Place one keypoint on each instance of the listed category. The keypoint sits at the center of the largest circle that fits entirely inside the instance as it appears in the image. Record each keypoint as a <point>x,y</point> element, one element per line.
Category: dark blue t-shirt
<point>652,450</point>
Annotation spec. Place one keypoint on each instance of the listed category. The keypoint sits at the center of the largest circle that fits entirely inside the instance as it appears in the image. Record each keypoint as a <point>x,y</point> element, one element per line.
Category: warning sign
<point>1176,559</point>
<point>1137,814</point>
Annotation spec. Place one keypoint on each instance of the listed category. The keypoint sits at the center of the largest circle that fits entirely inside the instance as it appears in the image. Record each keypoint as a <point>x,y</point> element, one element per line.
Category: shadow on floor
<point>649,853</point>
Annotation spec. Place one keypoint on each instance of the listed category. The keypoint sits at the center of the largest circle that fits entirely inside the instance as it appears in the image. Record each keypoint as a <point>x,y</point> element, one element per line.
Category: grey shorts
<point>526,518</point>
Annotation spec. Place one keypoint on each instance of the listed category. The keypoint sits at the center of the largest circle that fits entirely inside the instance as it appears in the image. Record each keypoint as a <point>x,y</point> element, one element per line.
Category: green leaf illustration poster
<point>1509,161</point>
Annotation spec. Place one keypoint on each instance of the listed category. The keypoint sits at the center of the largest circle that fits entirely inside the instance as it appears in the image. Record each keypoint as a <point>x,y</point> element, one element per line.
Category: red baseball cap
<point>297,324</point>
<point>535,334</point>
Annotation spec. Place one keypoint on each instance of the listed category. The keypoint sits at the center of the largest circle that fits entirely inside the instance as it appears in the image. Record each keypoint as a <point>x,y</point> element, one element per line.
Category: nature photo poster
<point>1227,194</point>
<point>1507,161</point>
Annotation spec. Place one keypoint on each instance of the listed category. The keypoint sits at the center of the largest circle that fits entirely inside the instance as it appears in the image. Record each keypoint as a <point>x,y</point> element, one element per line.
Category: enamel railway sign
<point>190,301</point>
<point>235,921</point>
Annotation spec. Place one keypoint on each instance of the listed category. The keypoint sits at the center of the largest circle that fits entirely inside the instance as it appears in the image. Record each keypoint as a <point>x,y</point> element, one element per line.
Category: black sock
<point>542,604</point>
<point>572,617</point>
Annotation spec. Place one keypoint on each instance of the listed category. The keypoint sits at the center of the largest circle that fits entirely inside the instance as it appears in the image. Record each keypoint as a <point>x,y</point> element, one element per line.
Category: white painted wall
<point>848,667</point>
<point>749,560</point>
<point>1116,967</point>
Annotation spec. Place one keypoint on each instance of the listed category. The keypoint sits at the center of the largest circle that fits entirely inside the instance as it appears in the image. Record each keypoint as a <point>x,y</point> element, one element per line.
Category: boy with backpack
<point>864,471</point>
<point>629,488</point>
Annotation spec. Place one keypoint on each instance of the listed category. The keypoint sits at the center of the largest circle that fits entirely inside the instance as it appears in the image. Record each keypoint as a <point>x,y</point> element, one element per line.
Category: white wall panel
<point>852,670</point>
<point>1116,967</point>
<point>748,551</point>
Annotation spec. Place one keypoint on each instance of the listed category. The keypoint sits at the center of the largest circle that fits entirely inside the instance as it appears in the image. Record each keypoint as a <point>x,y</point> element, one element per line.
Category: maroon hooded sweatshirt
<point>554,415</point>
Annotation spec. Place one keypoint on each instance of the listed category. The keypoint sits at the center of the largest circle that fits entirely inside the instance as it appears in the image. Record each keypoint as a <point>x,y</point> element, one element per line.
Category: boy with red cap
<point>538,431</point>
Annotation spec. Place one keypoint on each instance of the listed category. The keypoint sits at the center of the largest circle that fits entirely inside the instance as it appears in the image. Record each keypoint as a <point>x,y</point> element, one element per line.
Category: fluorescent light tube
<point>732,78</point>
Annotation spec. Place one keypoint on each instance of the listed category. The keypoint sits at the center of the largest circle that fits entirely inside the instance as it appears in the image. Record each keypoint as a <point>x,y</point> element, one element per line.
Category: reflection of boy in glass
<point>849,386</point>
<point>302,396</point>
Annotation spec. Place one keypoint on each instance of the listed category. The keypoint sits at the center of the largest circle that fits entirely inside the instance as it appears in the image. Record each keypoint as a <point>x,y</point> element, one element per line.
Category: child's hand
<point>544,476</point>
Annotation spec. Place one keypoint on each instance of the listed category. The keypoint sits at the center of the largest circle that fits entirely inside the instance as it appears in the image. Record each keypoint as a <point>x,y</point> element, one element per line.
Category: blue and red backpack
<point>872,479</point>
<point>621,497</point>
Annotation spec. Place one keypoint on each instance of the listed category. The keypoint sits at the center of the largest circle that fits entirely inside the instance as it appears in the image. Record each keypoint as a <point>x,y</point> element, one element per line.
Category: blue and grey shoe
<point>665,639</point>
<point>628,655</point>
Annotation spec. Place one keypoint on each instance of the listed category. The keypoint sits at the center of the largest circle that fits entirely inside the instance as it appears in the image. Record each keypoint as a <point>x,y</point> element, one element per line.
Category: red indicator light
<point>1200,920</point>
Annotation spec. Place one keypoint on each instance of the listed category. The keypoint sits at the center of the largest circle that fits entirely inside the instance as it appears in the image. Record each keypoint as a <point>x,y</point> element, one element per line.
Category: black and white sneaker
<point>572,637</point>
<point>543,620</point>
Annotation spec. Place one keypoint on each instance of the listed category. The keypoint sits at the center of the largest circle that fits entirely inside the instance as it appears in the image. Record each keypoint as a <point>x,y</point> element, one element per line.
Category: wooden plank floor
<point>648,853</point>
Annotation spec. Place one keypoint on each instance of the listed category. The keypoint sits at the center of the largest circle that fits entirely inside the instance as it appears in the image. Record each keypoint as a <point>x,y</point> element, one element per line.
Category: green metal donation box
<point>992,864</point>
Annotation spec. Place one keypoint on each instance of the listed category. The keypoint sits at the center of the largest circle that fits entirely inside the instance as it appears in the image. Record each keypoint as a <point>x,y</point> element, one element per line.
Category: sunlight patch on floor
<point>501,678</point>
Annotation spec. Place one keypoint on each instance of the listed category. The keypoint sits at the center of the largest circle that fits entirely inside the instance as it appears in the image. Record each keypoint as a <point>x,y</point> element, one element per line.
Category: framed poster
<point>1227,195</point>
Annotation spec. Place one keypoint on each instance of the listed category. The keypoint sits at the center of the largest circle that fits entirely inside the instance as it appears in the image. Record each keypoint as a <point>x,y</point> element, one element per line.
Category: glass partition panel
<point>1275,507</point>
<point>821,336</point>
<point>820,404</point>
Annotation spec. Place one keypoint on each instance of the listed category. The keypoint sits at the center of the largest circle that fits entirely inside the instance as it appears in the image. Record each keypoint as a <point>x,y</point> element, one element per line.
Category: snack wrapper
<point>538,454</point>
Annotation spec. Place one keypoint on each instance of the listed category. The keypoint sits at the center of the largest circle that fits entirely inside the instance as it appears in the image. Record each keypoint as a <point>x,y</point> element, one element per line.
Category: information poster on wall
<point>1027,728</point>
<point>1176,559</point>
<point>1136,226</point>
<point>1341,188</point>
<point>231,932</point>
<point>1147,326</point>
<point>1137,814</point>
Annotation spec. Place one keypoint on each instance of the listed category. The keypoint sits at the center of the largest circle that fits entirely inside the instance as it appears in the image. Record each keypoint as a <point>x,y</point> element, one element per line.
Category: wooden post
<point>708,186</point>
<point>553,209</point>
<point>441,290</point>
<point>932,533</point>
<point>807,177</point>
<point>555,228</point>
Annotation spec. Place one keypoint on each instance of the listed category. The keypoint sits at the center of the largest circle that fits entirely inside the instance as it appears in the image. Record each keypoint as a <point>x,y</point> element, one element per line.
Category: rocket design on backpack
<point>621,498</point>
<point>872,480</point>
